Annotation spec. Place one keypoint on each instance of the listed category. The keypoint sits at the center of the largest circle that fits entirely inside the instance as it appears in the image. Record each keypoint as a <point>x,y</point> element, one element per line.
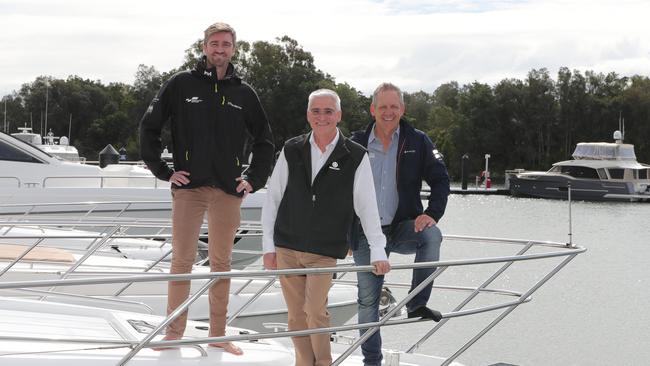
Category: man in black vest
<point>320,182</point>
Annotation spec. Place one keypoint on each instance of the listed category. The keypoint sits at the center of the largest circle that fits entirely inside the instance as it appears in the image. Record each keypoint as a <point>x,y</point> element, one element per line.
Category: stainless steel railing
<point>563,252</point>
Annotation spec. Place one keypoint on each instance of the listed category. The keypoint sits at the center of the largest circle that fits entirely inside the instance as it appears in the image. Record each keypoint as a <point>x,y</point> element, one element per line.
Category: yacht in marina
<point>32,176</point>
<point>56,146</point>
<point>599,171</point>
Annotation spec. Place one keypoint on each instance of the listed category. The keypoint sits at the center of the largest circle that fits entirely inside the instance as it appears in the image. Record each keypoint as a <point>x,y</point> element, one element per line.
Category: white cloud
<point>417,44</point>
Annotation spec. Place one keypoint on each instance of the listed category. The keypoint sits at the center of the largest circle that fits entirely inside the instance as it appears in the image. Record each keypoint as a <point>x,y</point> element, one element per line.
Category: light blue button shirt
<point>384,172</point>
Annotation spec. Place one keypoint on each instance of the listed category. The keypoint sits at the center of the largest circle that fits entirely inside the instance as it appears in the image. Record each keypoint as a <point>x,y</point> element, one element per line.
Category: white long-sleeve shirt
<point>364,199</point>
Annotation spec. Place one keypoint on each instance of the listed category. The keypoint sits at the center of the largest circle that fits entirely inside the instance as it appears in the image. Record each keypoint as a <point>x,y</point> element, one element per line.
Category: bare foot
<point>166,338</point>
<point>228,347</point>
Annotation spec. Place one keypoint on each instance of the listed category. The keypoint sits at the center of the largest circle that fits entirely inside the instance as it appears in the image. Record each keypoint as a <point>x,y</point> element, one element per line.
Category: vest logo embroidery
<point>194,100</point>
<point>335,166</point>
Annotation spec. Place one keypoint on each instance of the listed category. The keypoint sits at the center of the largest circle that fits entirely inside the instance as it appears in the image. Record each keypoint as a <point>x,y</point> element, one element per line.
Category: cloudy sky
<point>417,44</point>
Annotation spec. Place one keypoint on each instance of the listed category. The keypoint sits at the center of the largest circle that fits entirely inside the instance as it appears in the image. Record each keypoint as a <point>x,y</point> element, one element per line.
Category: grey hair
<point>387,87</point>
<point>325,92</point>
<point>217,28</point>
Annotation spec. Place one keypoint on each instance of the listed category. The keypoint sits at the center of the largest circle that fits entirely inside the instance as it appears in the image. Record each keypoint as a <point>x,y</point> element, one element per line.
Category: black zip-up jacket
<point>417,159</point>
<point>214,124</point>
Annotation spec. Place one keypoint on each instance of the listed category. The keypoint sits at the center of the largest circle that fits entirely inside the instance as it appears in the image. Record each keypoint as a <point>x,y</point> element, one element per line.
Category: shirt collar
<point>372,137</point>
<point>329,146</point>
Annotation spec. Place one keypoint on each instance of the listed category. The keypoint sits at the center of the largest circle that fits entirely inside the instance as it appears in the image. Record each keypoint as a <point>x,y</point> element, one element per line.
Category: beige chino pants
<point>306,298</point>
<point>188,208</point>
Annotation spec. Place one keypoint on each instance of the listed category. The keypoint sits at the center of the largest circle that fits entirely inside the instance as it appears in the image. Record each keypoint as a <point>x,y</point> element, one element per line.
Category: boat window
<point>616,173</point>
<point>580,172</point>
<point>643,173</point>
<point>11,153</point>
<point>602,174</point>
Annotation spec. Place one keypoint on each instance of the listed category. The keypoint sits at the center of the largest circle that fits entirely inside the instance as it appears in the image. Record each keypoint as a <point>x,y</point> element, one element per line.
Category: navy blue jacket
<point>417,159</point>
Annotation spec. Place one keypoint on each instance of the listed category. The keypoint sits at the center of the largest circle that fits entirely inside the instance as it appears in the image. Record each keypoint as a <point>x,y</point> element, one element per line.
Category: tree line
<point>527,123</point>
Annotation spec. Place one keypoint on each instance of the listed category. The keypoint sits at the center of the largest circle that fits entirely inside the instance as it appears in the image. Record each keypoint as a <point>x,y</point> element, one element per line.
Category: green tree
<point>356,109</point>
<point>540,118</point>
<point>635,102</point>
<point>418,108</point>
<point>283,74</point>
<point>509,98</point>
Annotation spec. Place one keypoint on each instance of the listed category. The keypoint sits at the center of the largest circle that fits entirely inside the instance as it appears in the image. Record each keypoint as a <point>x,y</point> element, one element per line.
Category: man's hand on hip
<point>179,178</point>
<point>243,186</point>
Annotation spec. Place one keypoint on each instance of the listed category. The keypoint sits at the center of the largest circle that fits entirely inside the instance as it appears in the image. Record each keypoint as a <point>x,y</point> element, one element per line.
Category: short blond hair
<point>217,28</point>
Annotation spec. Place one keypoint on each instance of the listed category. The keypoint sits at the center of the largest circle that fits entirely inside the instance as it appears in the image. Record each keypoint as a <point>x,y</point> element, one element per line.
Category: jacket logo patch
<point>437,154</point>
<point>207,73</point>
<point>409,152</point>
<point>335,166</point>
<point>234,105</point>
<point>194,100</point>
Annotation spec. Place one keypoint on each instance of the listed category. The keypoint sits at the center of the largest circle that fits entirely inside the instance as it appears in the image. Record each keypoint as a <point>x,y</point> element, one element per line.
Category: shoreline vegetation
<point>529,123</point>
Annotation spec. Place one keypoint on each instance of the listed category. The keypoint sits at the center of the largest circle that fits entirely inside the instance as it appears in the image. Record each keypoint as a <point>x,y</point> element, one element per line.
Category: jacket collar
<point>211,73</point>
<point>404,129</point>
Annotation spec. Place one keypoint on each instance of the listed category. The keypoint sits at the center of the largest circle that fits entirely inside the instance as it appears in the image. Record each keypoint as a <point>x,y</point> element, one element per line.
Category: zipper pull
<point>313,200</point>
<point>216,88</point>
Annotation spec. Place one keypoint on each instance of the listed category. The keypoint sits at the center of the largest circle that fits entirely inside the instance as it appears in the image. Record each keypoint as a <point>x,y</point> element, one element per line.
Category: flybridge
<point>604,151</point>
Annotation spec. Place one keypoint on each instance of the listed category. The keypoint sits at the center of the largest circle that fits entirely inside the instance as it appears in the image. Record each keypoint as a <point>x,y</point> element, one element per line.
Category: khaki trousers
<point>306,298</point>
<point>188,208</point>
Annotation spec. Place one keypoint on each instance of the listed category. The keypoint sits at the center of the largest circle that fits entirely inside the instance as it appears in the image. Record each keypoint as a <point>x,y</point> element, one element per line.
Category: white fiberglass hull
<point>34,333</point>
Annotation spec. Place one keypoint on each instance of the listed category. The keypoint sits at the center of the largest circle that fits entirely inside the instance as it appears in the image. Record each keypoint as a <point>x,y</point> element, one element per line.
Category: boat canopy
<point>604,151</point>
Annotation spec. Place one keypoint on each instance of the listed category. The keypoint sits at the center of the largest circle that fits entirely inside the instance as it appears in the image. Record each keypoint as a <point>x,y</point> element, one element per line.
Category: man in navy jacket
<point>401,157</point>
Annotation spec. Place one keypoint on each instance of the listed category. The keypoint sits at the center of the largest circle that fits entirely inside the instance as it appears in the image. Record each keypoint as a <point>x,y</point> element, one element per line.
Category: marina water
<point>595,311</point>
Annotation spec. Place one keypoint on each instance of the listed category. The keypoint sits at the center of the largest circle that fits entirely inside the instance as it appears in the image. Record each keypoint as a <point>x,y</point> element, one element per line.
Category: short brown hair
<point>219,27</point>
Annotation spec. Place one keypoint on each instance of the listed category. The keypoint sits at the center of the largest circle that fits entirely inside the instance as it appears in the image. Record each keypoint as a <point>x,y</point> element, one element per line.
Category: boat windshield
<point>10,152</point>
<point>576,171</point>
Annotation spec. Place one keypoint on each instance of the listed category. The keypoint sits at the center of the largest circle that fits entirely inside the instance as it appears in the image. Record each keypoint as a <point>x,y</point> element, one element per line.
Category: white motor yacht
<point>31,176</point>
<point>599,171</point>
<point>53,145</point>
